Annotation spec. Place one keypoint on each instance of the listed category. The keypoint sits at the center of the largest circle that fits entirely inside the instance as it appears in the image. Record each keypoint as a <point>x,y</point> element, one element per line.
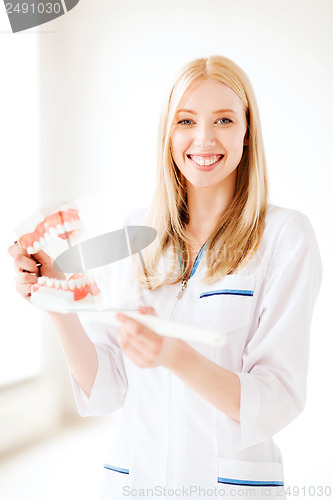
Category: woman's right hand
<point>28,270</point>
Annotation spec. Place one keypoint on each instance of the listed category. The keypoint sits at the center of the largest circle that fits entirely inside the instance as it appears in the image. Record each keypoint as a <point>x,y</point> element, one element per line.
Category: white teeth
<point>63,284</point>
<point>52,233</point>
<point>205,161</point>
<point>36,246</point>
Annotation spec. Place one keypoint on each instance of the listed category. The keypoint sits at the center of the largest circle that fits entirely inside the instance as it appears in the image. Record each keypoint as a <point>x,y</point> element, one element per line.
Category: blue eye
<point>224,120</point>
<point>186,120</point>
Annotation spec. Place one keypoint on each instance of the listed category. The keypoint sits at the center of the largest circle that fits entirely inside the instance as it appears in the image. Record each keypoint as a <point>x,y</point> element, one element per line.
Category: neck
<point>205,208</point>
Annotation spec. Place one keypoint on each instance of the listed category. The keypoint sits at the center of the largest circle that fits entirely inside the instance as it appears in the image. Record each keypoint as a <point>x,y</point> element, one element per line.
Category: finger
<point>126,340</point>
<point>148,343</point>
<point>135,354</point>
<point>139,340</point>
<point>137,329</point>
<point>25,263</point>
<point>26,278</point>
<point>15,250</point>
<point>24,290</point>
<point>42,257</point>
<point>147,310</point>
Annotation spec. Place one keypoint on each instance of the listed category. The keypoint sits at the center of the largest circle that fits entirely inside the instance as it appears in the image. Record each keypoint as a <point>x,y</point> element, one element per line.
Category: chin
<point>204,183</point>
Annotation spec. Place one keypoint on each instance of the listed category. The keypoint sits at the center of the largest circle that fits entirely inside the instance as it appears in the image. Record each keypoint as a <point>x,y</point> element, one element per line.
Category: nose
<point>204,136</point>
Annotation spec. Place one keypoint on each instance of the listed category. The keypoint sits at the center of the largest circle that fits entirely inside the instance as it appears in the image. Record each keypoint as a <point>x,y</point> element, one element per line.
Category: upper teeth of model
<point>53,232</point>
<point>205,160</point>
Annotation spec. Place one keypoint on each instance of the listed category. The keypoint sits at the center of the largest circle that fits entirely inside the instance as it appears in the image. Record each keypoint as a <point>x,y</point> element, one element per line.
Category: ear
<point>246,139</point>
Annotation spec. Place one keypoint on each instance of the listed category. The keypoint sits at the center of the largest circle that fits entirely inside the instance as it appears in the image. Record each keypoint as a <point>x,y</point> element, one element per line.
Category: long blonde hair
<point>237,235</point>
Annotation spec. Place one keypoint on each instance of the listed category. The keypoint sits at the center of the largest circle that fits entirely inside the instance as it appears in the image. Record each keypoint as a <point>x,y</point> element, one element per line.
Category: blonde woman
<point>199,420</point>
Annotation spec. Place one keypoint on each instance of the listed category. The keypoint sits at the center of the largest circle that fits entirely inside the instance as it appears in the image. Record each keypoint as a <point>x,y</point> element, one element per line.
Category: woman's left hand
<point>142,345</point>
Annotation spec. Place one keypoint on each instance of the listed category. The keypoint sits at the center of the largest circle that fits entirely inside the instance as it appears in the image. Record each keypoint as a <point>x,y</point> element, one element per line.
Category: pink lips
<point>205,168</point>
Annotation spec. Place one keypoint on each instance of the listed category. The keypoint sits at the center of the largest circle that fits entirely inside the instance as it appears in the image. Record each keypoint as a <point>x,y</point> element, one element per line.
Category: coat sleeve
<point>275,360</point>
<point>110,386</point>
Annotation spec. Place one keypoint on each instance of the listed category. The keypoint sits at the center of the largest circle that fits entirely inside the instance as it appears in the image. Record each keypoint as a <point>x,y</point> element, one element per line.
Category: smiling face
<point>208,135</point>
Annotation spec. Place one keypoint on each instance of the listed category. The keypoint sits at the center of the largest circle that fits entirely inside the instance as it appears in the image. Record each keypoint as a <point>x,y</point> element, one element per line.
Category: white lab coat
<point>169,436</point>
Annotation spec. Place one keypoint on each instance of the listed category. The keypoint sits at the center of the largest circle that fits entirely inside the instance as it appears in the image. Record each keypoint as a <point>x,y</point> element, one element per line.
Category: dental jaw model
<point>60,224</point>
<point>80,291</point>
<point>54,234</point>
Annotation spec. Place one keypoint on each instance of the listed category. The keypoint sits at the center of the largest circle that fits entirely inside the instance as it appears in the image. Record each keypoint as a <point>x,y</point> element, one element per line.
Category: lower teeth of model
<point>63,284</point>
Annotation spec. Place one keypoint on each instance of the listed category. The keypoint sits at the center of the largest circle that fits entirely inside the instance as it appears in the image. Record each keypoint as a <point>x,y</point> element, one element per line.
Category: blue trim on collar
<point>197,259</point>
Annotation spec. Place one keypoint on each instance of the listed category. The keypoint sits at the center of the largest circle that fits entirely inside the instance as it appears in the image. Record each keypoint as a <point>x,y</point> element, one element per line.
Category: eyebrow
<point>217,112</point>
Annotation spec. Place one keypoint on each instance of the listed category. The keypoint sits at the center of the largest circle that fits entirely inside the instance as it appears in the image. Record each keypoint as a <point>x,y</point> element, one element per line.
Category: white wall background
<point>105,68</point>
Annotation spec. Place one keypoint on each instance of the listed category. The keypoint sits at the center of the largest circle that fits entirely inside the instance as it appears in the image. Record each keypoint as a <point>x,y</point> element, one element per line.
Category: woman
<point>197,416</point>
